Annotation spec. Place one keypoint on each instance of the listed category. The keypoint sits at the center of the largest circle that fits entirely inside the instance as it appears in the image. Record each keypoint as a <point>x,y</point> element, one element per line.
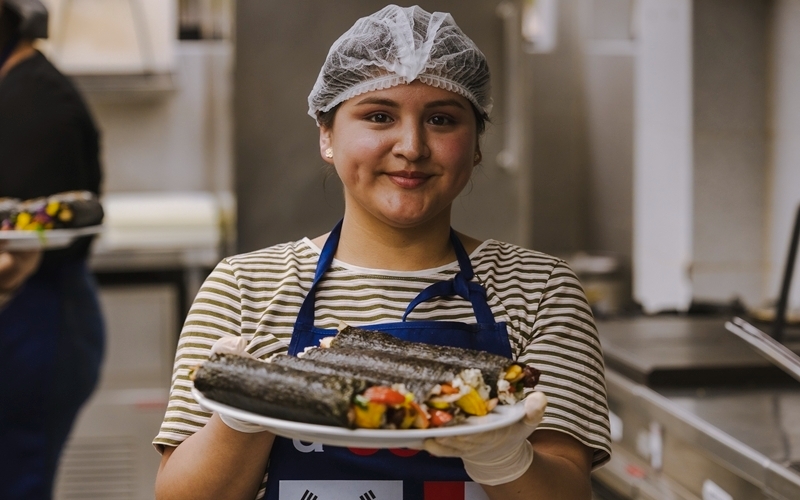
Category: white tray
<point>43,240</point>
<point>501,416</point>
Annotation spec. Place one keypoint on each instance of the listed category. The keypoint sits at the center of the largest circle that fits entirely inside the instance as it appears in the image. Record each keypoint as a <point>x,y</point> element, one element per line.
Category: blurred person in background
<point>51,328</point>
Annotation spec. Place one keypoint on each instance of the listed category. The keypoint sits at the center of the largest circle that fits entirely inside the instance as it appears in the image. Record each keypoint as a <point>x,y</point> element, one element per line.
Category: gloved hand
<point>235,345</point>
<point>498,456</point>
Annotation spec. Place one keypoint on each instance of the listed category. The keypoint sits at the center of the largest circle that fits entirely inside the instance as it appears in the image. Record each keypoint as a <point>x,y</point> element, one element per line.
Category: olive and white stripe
<point>258,295</point>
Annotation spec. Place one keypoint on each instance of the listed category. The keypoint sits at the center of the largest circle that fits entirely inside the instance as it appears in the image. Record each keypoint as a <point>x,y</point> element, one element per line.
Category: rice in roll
<point>506,378</point>
<point>456,390</point>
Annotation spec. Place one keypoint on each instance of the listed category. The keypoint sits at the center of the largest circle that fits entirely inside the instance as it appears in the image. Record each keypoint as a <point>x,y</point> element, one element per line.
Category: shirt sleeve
<point>215,313</point>
<point>566,348</point>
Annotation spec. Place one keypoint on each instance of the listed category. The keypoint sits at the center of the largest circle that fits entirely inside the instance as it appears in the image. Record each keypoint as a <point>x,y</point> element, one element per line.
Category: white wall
<point>662,172</point>
<point>730,149</point>
<point>784,182</point>
<point>178,141</point>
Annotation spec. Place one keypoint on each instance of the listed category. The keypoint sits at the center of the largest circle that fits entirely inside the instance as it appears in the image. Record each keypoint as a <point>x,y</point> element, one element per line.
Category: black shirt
<point>48,140</point>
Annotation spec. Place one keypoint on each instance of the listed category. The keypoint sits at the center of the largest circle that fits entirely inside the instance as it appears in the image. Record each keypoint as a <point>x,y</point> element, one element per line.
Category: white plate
<point>43,240</point>
<point>502,416</point>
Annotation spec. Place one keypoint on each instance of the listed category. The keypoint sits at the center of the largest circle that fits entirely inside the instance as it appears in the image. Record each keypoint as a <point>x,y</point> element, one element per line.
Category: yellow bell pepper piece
<point>23,219</point>
<point>439,405</point>
<point>370,417</point>
<point>472,403</point>
<point>513,373</point>
<point>52,208</point>
<point>65,215</point>
<point>408,418</point>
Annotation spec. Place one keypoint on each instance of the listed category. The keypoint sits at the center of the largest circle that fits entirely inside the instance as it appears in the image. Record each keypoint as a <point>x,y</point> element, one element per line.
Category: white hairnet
<point>399,45</point>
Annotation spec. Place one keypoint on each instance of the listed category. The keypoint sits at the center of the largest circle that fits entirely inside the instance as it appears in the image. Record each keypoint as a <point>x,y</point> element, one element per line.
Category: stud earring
<point>329,153</point>
<point>478,157</point>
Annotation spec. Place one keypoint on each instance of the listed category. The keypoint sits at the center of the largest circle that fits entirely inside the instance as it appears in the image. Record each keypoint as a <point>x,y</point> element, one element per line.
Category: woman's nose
<point>411,142</point>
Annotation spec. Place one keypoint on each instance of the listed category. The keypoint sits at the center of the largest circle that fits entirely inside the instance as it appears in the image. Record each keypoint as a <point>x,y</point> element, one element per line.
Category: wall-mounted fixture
<point>539,25</point>
<point>114,45</point>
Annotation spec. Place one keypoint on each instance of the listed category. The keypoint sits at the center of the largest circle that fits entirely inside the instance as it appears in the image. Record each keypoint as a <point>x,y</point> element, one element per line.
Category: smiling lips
<point>408,179</point>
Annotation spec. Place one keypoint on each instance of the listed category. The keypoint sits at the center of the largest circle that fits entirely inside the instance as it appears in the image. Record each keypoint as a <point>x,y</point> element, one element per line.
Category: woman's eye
<point>379,118</point>
<point>440,120</point>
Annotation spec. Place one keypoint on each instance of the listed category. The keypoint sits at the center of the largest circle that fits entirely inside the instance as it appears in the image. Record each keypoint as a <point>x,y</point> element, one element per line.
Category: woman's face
<point>403,153</point>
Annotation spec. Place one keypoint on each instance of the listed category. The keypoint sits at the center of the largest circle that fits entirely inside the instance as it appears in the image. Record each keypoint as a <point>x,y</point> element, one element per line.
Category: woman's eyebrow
<point>378,100</point>
<point>445,102</point>
<point>394,104</point>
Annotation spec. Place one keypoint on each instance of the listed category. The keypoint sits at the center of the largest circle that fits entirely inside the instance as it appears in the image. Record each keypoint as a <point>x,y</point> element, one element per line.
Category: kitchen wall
<point>783,135</point>
<point>583,131</point>
<point>560,155</point>
<point>730,149</point>
<point>747,153</point>
<point>179,139</point>
<point>745,181</point>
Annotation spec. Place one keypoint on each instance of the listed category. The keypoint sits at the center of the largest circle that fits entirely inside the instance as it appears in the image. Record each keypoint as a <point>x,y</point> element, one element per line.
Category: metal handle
<point>783,299</point>
<point>766,345</point>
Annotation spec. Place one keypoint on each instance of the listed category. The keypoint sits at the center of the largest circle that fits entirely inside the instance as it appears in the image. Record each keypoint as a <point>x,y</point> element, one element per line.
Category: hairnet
<point>399,45</point>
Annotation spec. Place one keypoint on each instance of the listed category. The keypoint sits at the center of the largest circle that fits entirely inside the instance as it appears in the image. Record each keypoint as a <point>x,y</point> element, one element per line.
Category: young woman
<point>401,103</point>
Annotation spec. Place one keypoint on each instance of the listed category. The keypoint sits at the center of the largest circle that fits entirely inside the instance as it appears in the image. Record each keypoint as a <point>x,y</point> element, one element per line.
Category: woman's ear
<point>325,149</point>
<point>478,157</point>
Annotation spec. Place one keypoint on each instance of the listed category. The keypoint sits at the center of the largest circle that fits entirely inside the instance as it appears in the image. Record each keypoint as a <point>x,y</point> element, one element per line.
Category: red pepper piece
<point>440,418</point>
<point>384,395</point>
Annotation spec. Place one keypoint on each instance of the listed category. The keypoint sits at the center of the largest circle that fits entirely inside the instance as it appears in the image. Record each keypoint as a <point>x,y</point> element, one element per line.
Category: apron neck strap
<point>461,284</point>
<point>306,314</point>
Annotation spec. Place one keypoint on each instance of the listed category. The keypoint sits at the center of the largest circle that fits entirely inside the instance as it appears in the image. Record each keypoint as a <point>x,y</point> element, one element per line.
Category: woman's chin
<point>406,220</point>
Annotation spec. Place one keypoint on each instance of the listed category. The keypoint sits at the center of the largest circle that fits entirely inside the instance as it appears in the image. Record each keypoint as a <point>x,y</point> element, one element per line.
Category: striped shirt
<point>258,295</point>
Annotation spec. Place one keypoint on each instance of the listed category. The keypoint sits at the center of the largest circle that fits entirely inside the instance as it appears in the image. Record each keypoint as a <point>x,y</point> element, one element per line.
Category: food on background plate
<point>72,209</point>
<point>506,378</point>
<point>8,207</point>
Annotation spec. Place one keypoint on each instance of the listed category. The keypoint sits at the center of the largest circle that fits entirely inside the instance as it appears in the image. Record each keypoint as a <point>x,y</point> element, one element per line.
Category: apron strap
<point>306,314</point>
<point>461,285</point>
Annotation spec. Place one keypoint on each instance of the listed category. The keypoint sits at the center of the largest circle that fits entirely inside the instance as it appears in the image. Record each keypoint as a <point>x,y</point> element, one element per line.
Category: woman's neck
<point>22,51</point>
<point>375,245</point>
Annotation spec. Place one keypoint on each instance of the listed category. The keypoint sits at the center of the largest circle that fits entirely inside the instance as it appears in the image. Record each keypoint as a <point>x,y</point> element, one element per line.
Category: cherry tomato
<point>440,418</point>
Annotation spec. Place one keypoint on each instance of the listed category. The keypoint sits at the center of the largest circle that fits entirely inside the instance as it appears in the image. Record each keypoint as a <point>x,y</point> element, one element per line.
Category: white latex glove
<point>498,456</point>
<point>235,345</point>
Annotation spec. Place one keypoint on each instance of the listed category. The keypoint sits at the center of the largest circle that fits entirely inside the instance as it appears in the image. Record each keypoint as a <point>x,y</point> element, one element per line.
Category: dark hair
<point>9,25</point>
<point>325,118</point>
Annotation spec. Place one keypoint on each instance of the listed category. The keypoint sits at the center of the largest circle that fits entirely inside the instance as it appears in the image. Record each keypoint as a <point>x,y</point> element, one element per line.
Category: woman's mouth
<point>408,179</point>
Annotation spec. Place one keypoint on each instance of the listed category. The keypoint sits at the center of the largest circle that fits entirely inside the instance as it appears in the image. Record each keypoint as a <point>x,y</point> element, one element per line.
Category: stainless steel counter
<point>697,414</point>
<point>674,351</point>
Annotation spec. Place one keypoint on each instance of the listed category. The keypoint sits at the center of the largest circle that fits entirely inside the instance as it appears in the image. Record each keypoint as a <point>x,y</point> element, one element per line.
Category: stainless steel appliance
<point>704,408</point>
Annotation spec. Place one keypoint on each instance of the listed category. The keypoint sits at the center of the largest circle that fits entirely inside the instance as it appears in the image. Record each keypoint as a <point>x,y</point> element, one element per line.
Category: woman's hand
<point>498,456</point>
<point>15,268</point>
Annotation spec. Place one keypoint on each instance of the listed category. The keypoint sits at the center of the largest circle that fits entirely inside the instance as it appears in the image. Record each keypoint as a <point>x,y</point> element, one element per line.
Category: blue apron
<point>311,471</point>
<point>51,345</point>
